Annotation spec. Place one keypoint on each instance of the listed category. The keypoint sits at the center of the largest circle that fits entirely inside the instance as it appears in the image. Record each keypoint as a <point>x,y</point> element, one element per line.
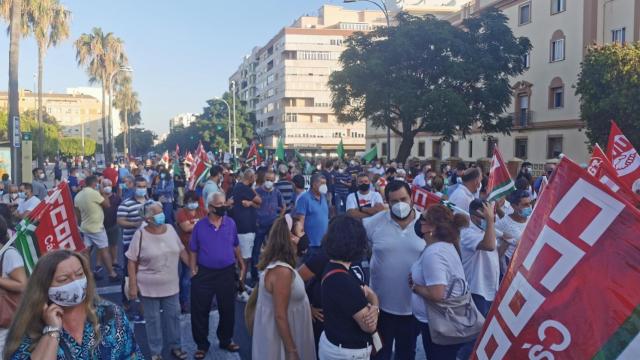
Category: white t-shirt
<point>511,233</point>
<point>368,200</point>
<point>439,264</point>
<point>377,170</point>
<point>28,205</point>
<point>419,180</point>
<point>394,250</point>
<point>11,261</point>
<point>462,197</point>
<point>481,268</point>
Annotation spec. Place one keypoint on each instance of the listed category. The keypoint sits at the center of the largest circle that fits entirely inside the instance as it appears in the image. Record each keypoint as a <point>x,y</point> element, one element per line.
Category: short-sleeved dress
<point>267,343</point>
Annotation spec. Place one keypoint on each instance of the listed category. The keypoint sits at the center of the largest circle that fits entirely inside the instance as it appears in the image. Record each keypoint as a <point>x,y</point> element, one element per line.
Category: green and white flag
<point>371,154</point>
<point>340,150</point>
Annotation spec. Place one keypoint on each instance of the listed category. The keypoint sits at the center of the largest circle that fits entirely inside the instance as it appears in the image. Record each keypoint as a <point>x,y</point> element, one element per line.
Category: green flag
<point>300,158</point>
<point>340,150</point>
<point>371,154</point>
<point>280,150</point>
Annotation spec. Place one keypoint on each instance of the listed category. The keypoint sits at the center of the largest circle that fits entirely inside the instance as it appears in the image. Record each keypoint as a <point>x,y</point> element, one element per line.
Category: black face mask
<point>418,229</point>
<point>303,245</point>
<point>219,211</point>
<point>364,187</point>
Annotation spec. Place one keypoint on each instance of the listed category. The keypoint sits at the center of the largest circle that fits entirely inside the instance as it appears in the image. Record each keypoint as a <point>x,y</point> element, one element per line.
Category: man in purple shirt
<point>213,257</point>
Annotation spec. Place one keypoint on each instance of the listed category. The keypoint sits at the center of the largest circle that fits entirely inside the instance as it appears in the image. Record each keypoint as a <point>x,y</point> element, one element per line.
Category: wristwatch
<point>51,329</point>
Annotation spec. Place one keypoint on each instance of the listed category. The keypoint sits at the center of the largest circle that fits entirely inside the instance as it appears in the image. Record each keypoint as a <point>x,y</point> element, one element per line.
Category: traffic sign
<point>16,131</point>
<point>27,136</point>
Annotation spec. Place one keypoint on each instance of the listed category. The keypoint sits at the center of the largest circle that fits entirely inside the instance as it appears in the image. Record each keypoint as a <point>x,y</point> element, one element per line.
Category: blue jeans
<point>401,329</point>
<point>167,209</point>
<point>261,236</point>
<point>435,351</point>
<point>483,306</point>
<point>163,328</point>
<point>185,283</point>
<point>340,202</point>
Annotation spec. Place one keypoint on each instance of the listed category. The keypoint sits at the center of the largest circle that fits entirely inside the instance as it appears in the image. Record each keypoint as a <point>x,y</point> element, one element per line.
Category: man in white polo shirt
<point>395,247</point>
<point>465,193</point>
<point>365,202</point>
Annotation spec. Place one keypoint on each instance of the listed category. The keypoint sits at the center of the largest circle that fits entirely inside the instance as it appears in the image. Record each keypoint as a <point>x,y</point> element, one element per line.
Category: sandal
<point>200,354</point>
<point>179,354</point>
<point>156,357</point>
<point>231,347</point>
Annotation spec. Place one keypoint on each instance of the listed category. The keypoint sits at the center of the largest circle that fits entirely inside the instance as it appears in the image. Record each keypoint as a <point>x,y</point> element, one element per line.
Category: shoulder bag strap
<point>332,272</point>
<point>358,201</point>
<point>453,284</point>
<point>139,249</point>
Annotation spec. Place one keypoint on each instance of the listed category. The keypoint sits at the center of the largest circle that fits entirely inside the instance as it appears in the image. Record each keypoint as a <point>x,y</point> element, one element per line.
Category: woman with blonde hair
<point>282,325</point>
<point>62,317</point>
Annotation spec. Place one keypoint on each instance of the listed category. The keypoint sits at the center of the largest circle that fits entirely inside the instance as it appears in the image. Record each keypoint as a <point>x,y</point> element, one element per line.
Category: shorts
<point>113,234</point>
<point>246,244</point>
<point>98,239</point>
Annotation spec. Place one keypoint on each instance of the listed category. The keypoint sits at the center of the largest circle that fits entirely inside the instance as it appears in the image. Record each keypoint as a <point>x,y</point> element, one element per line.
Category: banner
<point>571,289</point>
<point>603,170</point>
<point>423,199</point>
<point>500,183</point>
<point>624,158</point>
<point>51,225</point>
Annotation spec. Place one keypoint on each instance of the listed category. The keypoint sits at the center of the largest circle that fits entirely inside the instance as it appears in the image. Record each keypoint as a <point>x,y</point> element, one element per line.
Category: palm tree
<point>126,100</point>
<point>101,53</point>
<point>49,22</point>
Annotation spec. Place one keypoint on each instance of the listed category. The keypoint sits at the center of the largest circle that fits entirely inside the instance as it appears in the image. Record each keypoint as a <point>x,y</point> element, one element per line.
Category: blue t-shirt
<point>316,216</point>
<point>269,209</point>
<point>73,182</point>
<point>245,217</point>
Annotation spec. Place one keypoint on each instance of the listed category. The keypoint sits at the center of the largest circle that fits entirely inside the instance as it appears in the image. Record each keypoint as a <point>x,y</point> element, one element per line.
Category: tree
<point>425,75</point>
<point>101,54</point>
<point>29,123</point>
<point>126,100</point>
<point>142,141</point>
<point>49,22</point>
<point>609,88</point>
<point>72,146</point>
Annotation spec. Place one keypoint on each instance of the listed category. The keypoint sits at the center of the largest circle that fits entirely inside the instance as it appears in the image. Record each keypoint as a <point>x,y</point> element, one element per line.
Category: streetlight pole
<point>228,112</point>
<point>235,130</point>
<point>110,128</point>
<point>383,7</point>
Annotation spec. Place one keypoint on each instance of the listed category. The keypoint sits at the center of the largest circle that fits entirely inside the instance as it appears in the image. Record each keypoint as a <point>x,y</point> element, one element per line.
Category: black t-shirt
<point>317,263</point>
<point>342,297</point>
<point>245,217</point>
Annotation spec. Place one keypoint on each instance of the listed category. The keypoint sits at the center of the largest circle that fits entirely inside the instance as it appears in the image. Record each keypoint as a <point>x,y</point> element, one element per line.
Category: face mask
<point>417,228</point>
<point>141,192</point>
<point>192,205</point>
<point>108,189</point>
<point>41,176</point>
<point>93,169</point>
<point>401,210</point>
<point>323,189</point>
<point>318,167</point>
<point>526,212</point>
<point>22,195</point>
<point>429,182</point>
<point>70,294</point>
<point>378,166</point>
<point>459,180</point>
<point>340,171</point>
<point>158,219</point>
<point>268,185</point>
<point>14,195</point>
<point>483,225</point>
<point>219,210</point>
<point>364,187</point>
<point>162,176</point>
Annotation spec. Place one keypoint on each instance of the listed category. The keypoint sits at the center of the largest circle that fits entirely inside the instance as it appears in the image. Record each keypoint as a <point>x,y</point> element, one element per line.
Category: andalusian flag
<point>371,154</point>
<point>500,183</point>
<point>253,154</point>
<point>280,155</point>
<point>200,167</point>
<point>340,150</point>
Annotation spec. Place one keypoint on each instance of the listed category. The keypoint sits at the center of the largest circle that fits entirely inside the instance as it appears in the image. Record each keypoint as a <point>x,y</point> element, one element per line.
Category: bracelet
<point>54,334</point>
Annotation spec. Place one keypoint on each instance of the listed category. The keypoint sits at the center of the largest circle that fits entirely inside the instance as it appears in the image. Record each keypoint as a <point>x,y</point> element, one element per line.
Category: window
<point>618,36</point>
<point>523,110</point>
<point>291,117</point>
<point>558,6</point>
<point>557,50</point>
<point>373,145</point>
<point>557,98</point>
<point>491,144</point>
<point>554,146</point>
<point>454,149</point>
<point>470,148</point>
<point>524,14</point>
<point>526,60</point>
<point>436,146</point>
<point>384,149</point>
<point>270,120</point>
<point>421,149</point>
<point>521,148</point>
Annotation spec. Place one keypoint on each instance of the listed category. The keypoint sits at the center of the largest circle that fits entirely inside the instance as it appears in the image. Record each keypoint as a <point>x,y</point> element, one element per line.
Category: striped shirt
<point>286,189</point>
<point>130,211</point>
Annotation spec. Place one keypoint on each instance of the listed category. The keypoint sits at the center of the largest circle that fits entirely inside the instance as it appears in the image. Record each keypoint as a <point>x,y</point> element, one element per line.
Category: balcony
<point>523,119</point>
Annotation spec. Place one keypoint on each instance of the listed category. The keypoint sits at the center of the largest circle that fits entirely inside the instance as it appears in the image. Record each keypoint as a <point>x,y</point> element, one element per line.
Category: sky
<point>182,52</point>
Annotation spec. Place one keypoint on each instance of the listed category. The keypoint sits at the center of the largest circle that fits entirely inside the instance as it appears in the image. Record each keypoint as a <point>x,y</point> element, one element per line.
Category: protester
<point>6,180</point>
<point>432,276</point>
<point>128,187</point>
<point>164,192</point>
<point>153,254</point>
<point>525,172</point>
<point>57,173</point>
<point>312,209</point>
<point>271,207</point>
<point>422,180</point>
<point>350,308</point>
<point>39,187</point>
<point>467,191</point>
<point>282,325</point>
<point>548,170</point>
<point>214,253</point>
<point>456,177</point>
<point>298,189</point>
<point>74,183</point>
<point>62,317</point>
<point>401,175</point>
<point>395,247</point>
<point>10,195</point>
<point>341,185</point>
<point>285,187</point>
<point>438,186</point>
<point>365,202</point>
<point>382,182</point>
<point>27,201</point>
<point>13,278</point>
<point>512,225</point>
<point>111,220</point>
<point>377,168</point>
<point>213,183</point>
<point>111,173</point>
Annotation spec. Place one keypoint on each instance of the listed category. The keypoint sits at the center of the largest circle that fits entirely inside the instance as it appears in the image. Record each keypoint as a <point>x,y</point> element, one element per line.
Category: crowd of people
<point>335,263</point>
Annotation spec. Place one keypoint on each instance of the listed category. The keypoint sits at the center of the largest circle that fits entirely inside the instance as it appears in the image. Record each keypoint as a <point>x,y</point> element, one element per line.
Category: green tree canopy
<point>426,75</point>
<point>141,141</point>
<point>609,89</point>
<point>72,146</point>
<point>29,123</point>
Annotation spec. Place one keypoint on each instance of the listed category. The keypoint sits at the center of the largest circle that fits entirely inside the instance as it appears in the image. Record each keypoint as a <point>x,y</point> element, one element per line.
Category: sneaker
<point>243,297</point>
<point>98,269</point>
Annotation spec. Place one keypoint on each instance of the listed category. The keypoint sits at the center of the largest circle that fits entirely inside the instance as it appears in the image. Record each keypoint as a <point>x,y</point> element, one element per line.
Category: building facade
<point>77,114</point>
<point>545,109</point>
<point>182,120</point>
<point>285,82</point>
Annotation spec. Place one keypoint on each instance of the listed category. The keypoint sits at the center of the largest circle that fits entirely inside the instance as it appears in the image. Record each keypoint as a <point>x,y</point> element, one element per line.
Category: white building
<point>96,92</point>
<point>182,120</point>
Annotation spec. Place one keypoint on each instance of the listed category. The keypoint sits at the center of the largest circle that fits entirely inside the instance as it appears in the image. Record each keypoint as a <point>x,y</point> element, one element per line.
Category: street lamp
<point>235,130</point>
<point>110,128</point>
<point>383,7</point>
<point>229,112</point>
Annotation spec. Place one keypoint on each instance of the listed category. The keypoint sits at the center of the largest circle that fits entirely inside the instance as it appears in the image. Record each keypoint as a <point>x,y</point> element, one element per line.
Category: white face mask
<point>108,189</point>
<point>323,189</point>
<point>268,185</point>
<point>41,176</point>
<point>192,205</point>
<point>401,210</point>
<point>70,294</point>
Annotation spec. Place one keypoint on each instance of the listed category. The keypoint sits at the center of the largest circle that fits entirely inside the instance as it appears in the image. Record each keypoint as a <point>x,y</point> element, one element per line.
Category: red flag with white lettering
<point>571,289</point>
<point>624,157</point>
<point>603,170</point>
<point>423,199</point>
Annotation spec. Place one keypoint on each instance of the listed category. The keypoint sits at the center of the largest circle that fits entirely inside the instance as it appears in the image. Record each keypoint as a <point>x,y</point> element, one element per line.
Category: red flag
<point>624,158</point>
<point>188,159</point>
<point>500,183</point>
<point>570,291</point>
<point>177,151</point>
<point>253,155</point>
<point>198,169</point>
<point>603,170</point>
<point>423,199</point>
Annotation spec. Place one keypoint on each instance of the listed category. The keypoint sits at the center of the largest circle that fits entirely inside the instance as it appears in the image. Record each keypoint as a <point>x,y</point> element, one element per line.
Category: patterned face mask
<point>70,294</point>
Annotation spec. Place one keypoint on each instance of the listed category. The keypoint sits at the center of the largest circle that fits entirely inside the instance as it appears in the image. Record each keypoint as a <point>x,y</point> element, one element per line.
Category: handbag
<point>8,302</point>
<point>126,278</point>
<point>454,320</point>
